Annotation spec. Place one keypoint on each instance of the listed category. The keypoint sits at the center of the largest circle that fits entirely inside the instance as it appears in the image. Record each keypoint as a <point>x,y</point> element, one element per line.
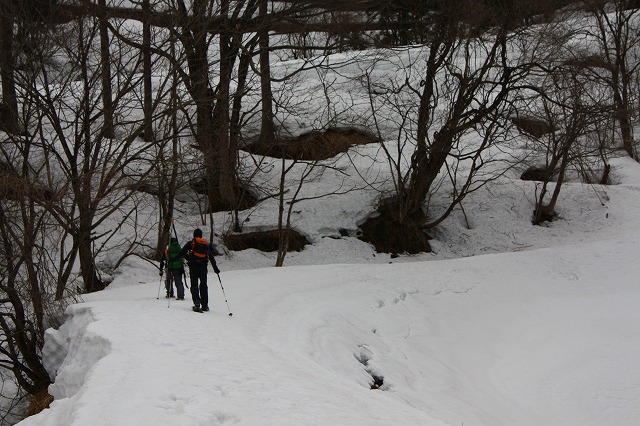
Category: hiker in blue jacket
<point>198,253</point>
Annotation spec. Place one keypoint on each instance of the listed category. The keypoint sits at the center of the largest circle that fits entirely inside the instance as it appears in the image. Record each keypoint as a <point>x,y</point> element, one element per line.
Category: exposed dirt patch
<point>545,215</point>
<point>39,402</point>
<point>589,62</point>
<point>389,235</point>
<point>535,173</point>
<point>313,145</point>
<point>264,240</point>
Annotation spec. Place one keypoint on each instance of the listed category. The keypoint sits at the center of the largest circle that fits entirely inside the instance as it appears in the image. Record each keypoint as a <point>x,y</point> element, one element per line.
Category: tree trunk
<point>105,62</point>
<point>82,184</point>
<point>146,75</point>
<point>30,233</point>
<point>9,104</point>
<point>63,278</point>
<point>226,156</point>
<point>626,131</point>
<point>282,250</point>
<point>167,193</point>
<point>212,128</point>
<point>617,41</point>
<point>92,281</point>
<point>623,116</point>
<point>235,124</point>
<point>267,130</point>
<point>425,171</point>
<point>543,211</point>
<point>425,163</point>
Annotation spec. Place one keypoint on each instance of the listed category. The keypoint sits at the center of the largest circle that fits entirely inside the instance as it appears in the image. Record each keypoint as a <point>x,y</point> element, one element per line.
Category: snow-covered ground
<point>545,333</point>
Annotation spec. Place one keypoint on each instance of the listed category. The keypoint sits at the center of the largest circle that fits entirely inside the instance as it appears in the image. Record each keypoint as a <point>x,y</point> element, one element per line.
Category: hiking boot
<point>205,309</point>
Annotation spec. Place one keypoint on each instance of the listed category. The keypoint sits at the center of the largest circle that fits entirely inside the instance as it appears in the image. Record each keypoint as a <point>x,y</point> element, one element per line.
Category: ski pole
<point>173,225</point>
<point>184,274</point>
<point>225,296</point>
<point>169,287</point>
<point>160,286</point>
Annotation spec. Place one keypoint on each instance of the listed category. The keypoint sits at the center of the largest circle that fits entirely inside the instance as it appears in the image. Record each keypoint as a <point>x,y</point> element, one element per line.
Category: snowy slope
<point>542,337</point>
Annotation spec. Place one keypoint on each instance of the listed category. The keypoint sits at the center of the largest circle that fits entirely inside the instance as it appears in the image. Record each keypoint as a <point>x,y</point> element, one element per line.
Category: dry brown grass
<point>312,146</point>
<point>15,187</point>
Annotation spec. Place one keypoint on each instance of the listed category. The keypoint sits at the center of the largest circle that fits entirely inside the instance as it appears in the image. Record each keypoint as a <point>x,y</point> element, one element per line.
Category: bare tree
<point>94,167</point>
<point>616,60</point>
<point>569,115</point>
<point>33,260</point>
<point>577,112</point>
<point>167,163</point>
<point>290,194</point>
<point>22,316</point>
<point>61,181</point>
<point>198,25</point>
<point>452,113</point>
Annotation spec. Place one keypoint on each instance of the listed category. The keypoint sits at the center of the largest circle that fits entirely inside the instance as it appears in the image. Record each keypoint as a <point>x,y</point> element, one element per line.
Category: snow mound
<point>70,352</point>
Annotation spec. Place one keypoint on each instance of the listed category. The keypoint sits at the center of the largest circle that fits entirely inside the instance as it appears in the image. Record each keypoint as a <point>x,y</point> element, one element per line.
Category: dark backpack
<point>199,251</point>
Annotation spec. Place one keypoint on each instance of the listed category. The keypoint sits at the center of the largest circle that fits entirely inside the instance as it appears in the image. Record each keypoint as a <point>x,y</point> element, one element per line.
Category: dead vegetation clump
<point>533,126</point>
<point>312,146</point>
<point>244,197</point>
<point>15,187</point>
<point>390,235</point>
<point>266,241</point>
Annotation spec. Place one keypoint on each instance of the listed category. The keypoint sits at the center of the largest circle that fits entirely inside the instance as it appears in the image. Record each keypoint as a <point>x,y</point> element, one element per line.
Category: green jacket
<point>171,253</point>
